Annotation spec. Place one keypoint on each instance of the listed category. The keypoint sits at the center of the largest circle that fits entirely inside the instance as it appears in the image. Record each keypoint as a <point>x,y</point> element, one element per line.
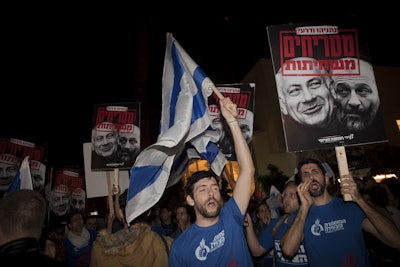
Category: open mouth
<point>314,185</point>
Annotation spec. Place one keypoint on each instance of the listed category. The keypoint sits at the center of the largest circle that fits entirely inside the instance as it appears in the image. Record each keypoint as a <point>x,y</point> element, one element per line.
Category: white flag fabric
<point>184,121</point>
<point>23,178</point>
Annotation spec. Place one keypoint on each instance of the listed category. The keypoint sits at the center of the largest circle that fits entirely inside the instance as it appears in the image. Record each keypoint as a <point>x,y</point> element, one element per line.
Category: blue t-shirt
<point>333,235</point>
<point>222,244</point>
<point>268,242</point>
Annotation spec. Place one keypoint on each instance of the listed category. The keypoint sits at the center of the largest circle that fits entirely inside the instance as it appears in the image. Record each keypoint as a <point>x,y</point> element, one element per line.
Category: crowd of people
<point>315,226</point>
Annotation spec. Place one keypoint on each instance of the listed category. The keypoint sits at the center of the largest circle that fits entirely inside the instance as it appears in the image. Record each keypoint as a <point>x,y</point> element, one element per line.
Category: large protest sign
<point>65,193</point>
<point>242,94</point>
<point>326,85</point>
<point>12,153</point>
<point>115,136</point>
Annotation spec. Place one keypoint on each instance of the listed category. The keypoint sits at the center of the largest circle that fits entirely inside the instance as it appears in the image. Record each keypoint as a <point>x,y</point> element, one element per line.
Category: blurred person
<point>184,219</point>
<point>51,245</point>
<point>263,215</point>
<point>128,144</point>
<point>216,238</point>
<point>104,145</point>
<point>48,245</point>
<point>330,226</point>
<point>78,241</point>
<point>91,223</point>
<point>155,213</point>
<point>134,246</point>
<point>23,214</point>
<point>379,253</point>
<point>261,222</point>
<point>168,226</point>
<point>78,199</point>
<point>9,166</point>
<point>274,202</point>
<point>269,240</point>
<point>60,198</point>
<point>357,96</point>
<point>392,187</point>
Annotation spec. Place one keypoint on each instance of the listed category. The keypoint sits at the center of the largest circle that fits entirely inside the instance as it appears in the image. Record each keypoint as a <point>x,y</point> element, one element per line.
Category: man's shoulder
<point>28,259</point>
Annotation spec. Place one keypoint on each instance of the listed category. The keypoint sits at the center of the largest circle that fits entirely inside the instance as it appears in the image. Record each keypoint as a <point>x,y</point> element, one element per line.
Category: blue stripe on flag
<point>184,120</point>
<point>16,185</point>
<point>144,176</point>
<point>199,106</point>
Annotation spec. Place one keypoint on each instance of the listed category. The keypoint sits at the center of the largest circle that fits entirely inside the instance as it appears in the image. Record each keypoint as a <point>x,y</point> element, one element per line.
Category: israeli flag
<point>184,120</point>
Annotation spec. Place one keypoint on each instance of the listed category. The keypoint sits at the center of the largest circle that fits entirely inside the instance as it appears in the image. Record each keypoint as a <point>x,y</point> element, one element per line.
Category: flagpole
<point>343,167</point>
<point>110,198</point>
<point>220,96</point>
<point>216,91</point>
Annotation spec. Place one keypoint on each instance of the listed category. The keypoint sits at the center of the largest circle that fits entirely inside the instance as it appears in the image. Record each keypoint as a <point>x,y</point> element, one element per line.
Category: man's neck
<point>325,198</point>
<point>205,222</point>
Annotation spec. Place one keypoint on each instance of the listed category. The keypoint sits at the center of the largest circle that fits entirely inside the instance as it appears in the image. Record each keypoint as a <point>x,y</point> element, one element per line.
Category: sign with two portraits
<point>326,85</point>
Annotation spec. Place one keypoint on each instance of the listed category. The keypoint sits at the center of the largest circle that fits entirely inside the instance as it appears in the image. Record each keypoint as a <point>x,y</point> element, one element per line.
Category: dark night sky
<point>59,61</point>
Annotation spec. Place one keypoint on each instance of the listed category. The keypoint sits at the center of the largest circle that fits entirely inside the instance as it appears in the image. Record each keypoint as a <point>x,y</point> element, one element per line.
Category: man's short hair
<point>197,176</point>
<point>309,161</point>
<point>22,212</point>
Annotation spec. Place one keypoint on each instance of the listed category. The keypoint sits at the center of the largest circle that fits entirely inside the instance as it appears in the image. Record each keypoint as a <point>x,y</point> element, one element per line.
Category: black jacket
<point>25,252</point>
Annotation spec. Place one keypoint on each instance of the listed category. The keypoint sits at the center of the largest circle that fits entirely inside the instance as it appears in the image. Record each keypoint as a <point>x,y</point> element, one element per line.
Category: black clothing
<point>25,252</point>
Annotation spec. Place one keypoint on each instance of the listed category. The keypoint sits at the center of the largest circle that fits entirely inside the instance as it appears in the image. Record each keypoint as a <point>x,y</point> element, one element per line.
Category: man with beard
<point>357,101</point>
<point>269,240</point>
<point>356,95</point>
<point>78,200</point>
<point>128,144</point>
<point>216,238</point>
<point>332,229</point>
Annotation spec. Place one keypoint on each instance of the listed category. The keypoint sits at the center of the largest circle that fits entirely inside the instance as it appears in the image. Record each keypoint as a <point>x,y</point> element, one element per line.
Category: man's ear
<point>282,104</point>
<point>327,180</point>
<point>190,200</point>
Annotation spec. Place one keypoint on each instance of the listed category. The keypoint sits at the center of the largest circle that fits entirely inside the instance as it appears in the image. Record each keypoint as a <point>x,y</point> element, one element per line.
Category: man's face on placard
<point>60,200</point>
<point>129,142</point>
<point>357,97</point>
<point>306,99</point>
<point>9,165</point>
<point>104,139</point>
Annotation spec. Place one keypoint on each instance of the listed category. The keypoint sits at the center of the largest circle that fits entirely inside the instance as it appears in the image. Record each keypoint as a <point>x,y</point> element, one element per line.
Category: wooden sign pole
<point>343,167</point>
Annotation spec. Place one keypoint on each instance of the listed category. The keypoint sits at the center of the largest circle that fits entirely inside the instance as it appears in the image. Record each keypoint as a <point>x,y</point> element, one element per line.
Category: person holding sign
<point>216,238</point>
<point>330,226</point>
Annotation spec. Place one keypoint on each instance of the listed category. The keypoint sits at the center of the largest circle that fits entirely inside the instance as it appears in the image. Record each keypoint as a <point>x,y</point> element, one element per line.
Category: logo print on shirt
<point>317,228</point>
<point>330,227</point>
<point>202,250</point>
